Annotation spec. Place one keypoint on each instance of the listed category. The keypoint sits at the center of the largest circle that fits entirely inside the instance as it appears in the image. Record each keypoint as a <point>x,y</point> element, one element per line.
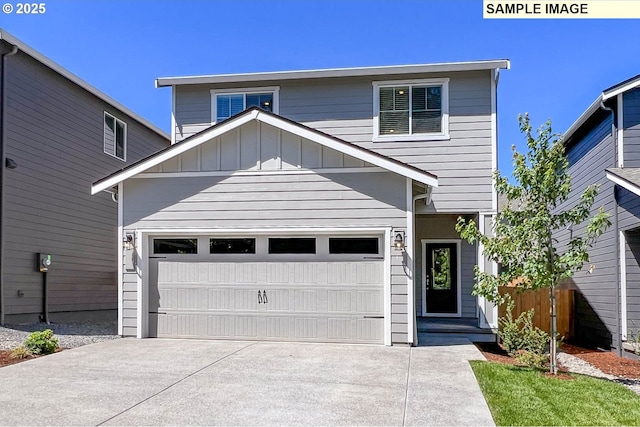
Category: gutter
<point>614,136</point>
<point>3,157</point>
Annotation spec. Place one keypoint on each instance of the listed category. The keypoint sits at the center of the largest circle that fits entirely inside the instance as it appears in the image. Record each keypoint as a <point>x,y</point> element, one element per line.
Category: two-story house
<point>603,147</point>
<point>311,205</point>
<point>58,134</point>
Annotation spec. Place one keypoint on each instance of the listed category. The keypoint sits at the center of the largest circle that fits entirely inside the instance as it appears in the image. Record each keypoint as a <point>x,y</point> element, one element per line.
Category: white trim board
<point>277,122</point>
<point>458,243</point>
<point>623,284</point>
<point>409,249</point>
<point>443,67</point>
<point>623,183</point>
<point>120,260</point>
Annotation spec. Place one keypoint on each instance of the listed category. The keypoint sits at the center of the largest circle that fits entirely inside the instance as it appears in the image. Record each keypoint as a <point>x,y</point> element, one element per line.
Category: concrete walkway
<point>178,382</point>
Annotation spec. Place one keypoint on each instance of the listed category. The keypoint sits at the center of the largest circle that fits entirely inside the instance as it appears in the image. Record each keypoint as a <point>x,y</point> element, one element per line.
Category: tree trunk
<point>553,367</point>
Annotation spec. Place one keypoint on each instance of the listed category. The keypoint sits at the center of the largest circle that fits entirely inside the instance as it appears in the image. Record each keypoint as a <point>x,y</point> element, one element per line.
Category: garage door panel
<point>246,326</point>
<point>339,301</point>
<point>306,301</point>
<point>220,326</point>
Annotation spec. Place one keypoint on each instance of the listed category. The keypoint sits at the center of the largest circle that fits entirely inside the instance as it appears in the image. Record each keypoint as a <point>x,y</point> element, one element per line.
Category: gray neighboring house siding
<point>54,131</point>
<point>343,107</point>
<point>595,158</point>
<point>589,155</point>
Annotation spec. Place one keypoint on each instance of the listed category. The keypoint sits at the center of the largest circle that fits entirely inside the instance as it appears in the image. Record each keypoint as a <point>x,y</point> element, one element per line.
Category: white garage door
<point>320,288</point>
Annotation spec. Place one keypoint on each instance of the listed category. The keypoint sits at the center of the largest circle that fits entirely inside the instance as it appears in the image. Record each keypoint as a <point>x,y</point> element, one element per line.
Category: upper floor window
<point>229,102</point>
<point>115,137</point>
<point>411,110</point>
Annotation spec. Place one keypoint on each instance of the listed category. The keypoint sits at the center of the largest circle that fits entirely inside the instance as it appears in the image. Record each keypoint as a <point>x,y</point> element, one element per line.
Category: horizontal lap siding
<point>54,132</point>
<point>340,200</point>
<point>631,117</point>
<point>632,264</point>
<point>596,309</point>
<point>344,108</point>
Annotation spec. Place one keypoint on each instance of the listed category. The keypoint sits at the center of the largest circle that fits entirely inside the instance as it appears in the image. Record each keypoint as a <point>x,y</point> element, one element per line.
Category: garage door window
<point>175,246</point>
<point>353,245</point>
<point>294,245</point>
<point>232,246</point>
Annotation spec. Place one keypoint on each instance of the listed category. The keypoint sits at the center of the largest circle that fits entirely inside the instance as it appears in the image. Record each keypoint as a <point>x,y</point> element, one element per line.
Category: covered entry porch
<point>444,279</point>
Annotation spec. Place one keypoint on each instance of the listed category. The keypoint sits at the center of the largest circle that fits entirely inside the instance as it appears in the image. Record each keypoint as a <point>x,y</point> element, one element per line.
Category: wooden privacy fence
<point>539,301</point>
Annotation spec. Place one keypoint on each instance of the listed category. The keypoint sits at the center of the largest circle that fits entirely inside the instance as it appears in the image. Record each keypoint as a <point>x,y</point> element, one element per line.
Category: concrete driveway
<point>178,382</point>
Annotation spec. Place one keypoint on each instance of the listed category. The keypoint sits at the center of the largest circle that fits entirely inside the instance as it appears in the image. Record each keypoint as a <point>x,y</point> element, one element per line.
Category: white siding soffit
<point>609,93</point>
<point>78,81</point>
<point>276,121</point>
<point>335,72</point>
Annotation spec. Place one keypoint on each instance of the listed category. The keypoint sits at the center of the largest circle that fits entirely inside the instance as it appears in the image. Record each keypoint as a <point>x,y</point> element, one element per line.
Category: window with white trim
<point>417,109</point>
<point>115,137</point>
<point>229,102</point>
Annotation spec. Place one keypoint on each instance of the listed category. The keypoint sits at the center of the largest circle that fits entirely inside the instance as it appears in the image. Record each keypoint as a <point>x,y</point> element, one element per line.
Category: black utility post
<point>43,263</point>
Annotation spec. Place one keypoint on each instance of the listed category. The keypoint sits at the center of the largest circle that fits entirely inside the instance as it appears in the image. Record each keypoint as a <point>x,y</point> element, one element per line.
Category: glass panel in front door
<point>441,268</point>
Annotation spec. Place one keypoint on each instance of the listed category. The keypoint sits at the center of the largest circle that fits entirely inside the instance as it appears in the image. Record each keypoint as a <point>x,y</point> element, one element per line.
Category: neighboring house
<point>603,147</point>
<point>59,134</point>
<point>311,205</point>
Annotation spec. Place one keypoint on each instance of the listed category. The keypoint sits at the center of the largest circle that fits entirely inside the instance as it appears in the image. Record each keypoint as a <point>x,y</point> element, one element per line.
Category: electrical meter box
<point>43,262</point>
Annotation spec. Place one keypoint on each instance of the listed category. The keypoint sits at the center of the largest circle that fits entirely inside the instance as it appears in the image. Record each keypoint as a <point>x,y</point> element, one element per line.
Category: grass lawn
<point>525,397</point>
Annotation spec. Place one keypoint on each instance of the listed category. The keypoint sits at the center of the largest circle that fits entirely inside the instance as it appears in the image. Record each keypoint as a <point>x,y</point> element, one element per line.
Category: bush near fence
<point>539,301</point>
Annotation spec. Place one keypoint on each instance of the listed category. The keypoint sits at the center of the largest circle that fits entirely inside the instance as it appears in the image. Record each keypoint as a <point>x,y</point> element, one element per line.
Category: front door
<point>441,280</point>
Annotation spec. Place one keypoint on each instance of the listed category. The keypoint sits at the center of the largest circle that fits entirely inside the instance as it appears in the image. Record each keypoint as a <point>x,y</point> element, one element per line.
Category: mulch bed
<point>608,362</point>
<point>5,358</point>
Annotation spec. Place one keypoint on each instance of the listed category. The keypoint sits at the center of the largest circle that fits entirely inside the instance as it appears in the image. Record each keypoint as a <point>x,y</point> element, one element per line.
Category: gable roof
<point>78,81</point>
<point>628,178</point>
<point>606,94</point>
<point>335,72</point>
<point>255,113</point>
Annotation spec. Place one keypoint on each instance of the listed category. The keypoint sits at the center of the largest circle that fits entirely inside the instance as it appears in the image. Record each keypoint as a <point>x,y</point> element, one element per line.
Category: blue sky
<point>558,67</point>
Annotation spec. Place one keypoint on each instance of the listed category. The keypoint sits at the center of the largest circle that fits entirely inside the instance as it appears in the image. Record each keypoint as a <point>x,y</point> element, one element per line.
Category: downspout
<point>3,157</point>
<point>615,226</point>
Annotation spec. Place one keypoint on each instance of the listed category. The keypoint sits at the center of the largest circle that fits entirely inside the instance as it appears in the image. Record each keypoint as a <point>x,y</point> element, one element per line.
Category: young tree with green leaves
<point>524,230</point>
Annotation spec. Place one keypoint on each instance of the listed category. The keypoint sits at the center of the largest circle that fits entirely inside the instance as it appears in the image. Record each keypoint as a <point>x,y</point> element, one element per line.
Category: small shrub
<point>522,340</point>
<point>533,359</point>
<point>20,352</point>
<point>41,342</point>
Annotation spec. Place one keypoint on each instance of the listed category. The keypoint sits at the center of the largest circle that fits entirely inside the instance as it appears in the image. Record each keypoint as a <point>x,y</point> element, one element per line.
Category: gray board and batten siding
<point>343,107</point>
<point>54,131</point>
<point>596,306</point>
<point>240,201</point>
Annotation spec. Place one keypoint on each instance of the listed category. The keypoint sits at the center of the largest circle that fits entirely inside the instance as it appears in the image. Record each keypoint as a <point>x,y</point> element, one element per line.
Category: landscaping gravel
<point>70,335</point>
<point>579,366</point>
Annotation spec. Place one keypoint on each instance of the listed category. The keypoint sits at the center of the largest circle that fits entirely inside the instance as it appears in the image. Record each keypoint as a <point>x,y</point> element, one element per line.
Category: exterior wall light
<point>398,242</point>
<point>127,242</point>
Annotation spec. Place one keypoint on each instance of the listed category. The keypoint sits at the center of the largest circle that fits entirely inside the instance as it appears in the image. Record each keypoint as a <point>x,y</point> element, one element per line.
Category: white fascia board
<point>78,81</point>
<point>335,72</point>
<point>624,88</point>
<point>595,105</point>
<point>623,183</point>
<point>175,150</point>
<point>346,149</point>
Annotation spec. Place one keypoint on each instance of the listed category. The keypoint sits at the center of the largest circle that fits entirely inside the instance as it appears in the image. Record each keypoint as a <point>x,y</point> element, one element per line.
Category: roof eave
<point>78,81</point>
<point>389,164</point>
<point>335,72</point>
<point>595,106</point>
